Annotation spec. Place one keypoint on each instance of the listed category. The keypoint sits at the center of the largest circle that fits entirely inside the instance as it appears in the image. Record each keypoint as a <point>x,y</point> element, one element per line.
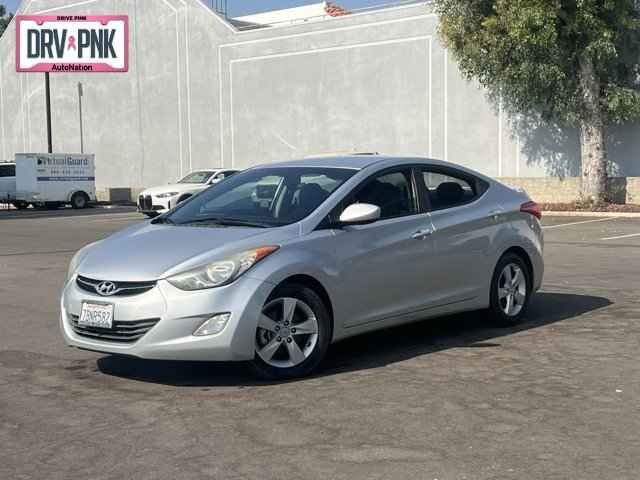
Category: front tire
<point>183,198</point>
<point>20,204</point>
<point>293,333</point>
<point>510,291</point>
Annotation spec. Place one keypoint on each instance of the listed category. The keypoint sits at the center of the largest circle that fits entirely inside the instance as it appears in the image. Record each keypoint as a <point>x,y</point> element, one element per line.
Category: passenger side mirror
<point>359,214</point>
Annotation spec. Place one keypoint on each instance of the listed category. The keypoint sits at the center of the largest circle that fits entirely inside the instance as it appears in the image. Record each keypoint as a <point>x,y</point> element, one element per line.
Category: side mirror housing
<point>360,214</point>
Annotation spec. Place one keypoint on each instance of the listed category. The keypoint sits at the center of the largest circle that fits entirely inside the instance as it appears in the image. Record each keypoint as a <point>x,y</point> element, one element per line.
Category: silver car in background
<point>279,261</point>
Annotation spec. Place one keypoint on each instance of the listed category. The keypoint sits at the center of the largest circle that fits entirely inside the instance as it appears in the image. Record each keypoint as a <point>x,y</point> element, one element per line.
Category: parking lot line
<point>621,236</point>
<point>578,223</point>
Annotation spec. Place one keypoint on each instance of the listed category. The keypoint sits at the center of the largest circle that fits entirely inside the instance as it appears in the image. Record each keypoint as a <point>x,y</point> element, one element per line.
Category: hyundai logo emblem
<point>106,288</point>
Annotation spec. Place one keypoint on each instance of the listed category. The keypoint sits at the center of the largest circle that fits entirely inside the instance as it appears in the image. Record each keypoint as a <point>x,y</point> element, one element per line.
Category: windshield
<point>196,177</point>
<point>263,197</point>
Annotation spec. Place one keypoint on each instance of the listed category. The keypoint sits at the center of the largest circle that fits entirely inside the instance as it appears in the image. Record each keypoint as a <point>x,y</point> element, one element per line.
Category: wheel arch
<point>522,253</point>
<point>184,196</point>
<point>315,285</point>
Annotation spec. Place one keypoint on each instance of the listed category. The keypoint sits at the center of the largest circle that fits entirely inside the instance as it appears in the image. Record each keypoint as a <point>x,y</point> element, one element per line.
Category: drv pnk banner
<point>75,43</point>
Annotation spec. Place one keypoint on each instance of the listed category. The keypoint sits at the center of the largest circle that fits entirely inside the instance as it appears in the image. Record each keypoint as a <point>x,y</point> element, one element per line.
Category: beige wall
<point>541,189</point>
<point>567,189</point>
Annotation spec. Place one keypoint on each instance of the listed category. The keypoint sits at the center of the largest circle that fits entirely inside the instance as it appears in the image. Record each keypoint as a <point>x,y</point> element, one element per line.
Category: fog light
<point>213,325</point>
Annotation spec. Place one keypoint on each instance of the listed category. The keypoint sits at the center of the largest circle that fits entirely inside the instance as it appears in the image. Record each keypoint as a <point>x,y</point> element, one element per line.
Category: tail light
<point>533,208</point>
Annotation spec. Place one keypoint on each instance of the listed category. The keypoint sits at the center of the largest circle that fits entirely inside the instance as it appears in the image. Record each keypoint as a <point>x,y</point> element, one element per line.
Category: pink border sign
<point>73,67</point>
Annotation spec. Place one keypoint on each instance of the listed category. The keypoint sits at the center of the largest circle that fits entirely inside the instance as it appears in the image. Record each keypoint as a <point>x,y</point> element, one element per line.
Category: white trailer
<point>53,179</point>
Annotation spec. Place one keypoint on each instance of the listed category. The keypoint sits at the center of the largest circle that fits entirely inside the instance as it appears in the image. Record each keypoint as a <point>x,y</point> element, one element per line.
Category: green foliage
<point>4,19</point>
<point>529,53</point>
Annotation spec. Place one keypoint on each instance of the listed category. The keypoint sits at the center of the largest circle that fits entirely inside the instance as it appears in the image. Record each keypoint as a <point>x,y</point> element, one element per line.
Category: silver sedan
<point>281,260</point>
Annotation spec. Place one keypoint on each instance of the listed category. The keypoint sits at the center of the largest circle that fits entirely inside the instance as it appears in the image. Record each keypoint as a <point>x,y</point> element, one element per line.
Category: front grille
<point>121,288</point>
<point>145,202</point>
<point>125,332</point>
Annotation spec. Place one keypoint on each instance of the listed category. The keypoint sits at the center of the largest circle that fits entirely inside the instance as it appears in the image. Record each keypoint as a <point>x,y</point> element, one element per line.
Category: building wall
<point>199,94</point>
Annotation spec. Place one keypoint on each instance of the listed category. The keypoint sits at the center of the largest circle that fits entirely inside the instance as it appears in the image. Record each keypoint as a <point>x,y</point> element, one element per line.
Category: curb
<point>591,214</point>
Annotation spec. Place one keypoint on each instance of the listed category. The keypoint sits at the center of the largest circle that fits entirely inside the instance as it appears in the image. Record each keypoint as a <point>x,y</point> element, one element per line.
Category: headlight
<point>167,195</point>
<point>221,272</point>
<point>77,258</point>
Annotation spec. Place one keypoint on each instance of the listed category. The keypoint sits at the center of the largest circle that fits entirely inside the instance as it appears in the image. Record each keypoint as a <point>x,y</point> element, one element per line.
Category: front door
<point>385,266</point>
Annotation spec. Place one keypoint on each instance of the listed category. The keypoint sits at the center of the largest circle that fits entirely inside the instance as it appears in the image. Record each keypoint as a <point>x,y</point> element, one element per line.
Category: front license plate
<point>98,315</point>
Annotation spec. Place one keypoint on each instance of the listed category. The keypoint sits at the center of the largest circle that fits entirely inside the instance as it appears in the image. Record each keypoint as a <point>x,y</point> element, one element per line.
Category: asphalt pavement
<point>452,398</point>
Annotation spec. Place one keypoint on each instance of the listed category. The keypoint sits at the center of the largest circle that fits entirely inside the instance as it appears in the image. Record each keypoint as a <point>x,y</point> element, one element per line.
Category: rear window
<point>449,189</point>
<point>7,170</point>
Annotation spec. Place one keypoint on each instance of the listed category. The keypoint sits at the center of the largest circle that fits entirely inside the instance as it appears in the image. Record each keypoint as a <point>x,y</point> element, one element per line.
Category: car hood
<point>146,251</point>
<point>174,187</point>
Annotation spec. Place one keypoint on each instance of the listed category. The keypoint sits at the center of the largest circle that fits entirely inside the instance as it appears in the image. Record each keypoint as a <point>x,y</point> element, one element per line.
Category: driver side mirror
<point>360,214</point>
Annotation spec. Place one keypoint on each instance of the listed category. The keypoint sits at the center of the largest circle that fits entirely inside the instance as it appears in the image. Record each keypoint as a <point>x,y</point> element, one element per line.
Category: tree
<point>574,62</point>
<point>4,19</point>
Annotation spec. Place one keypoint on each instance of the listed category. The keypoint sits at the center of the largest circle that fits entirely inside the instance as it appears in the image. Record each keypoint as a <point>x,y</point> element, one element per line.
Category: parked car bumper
<point>149,204</point>
<point>177,314</point>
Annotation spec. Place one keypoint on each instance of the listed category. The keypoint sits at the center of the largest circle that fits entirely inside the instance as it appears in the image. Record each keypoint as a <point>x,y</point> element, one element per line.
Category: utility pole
<point>47,99</point>
<point>80,114</point>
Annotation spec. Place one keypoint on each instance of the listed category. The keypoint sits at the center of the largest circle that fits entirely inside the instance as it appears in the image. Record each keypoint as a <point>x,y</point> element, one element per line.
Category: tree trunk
<point>592,138</point>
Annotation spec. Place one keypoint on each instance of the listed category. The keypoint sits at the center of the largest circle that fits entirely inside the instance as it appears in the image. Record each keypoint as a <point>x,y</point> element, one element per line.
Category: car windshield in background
<point>262,197</point>
<point>197,177</point>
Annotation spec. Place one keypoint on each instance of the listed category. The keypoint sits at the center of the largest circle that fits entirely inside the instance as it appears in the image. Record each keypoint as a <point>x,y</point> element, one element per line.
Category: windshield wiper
<point>227,221</point>
<point>166,220</point>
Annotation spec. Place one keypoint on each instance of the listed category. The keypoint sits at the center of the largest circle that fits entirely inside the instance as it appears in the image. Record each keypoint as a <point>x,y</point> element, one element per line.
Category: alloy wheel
<point>512,289</point>
<point>287,332</point>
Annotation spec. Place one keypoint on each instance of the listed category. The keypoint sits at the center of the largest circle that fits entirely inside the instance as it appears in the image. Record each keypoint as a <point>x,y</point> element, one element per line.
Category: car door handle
<point>421,234</point>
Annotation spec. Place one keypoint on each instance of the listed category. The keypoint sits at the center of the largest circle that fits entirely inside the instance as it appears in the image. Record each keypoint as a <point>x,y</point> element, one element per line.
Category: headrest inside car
<point>449,192</point>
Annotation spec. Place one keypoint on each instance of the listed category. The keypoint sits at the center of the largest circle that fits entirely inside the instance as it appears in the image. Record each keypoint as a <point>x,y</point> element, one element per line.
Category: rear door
<point>384,266</point>
<point>7,181</point>
<point>464,225</point>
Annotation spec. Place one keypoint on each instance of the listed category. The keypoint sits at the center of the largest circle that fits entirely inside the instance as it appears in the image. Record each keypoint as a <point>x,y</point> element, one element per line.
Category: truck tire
<point>79,200</point>
<point>20,204</point>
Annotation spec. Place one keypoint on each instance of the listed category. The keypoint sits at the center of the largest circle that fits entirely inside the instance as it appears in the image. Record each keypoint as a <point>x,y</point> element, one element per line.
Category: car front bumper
<point>150,204</point>
<point>178,314</point>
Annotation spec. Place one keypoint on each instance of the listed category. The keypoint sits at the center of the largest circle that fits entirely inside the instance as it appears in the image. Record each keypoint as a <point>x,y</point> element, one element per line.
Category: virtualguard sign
<point>94,43</point>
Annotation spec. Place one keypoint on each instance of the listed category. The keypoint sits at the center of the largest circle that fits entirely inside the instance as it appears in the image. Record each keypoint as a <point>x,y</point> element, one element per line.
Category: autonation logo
<point>95,43</point>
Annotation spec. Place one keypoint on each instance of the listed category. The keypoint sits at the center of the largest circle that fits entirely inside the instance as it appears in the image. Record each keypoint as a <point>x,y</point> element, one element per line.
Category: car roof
<point>358,162</point>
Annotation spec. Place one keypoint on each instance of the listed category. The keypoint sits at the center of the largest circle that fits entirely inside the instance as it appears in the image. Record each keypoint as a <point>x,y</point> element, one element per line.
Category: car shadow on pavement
<point>372,350</point>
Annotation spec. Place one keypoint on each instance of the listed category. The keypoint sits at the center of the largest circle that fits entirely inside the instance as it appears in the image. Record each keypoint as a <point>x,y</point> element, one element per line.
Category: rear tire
<point>510,291</point>
<point>293,333</point>
<point>79,200</point>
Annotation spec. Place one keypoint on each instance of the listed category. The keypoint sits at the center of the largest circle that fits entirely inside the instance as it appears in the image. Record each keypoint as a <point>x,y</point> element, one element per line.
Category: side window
<point>446,191</point>
<point>391,191</point>
<point>7,170</point>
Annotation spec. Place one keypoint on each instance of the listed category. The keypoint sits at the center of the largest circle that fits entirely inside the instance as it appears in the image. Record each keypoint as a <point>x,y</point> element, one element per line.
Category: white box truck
<point>54,179</point>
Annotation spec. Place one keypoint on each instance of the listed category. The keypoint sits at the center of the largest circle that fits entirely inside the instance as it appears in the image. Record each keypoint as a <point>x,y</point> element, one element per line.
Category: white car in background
<point>154,201</point>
